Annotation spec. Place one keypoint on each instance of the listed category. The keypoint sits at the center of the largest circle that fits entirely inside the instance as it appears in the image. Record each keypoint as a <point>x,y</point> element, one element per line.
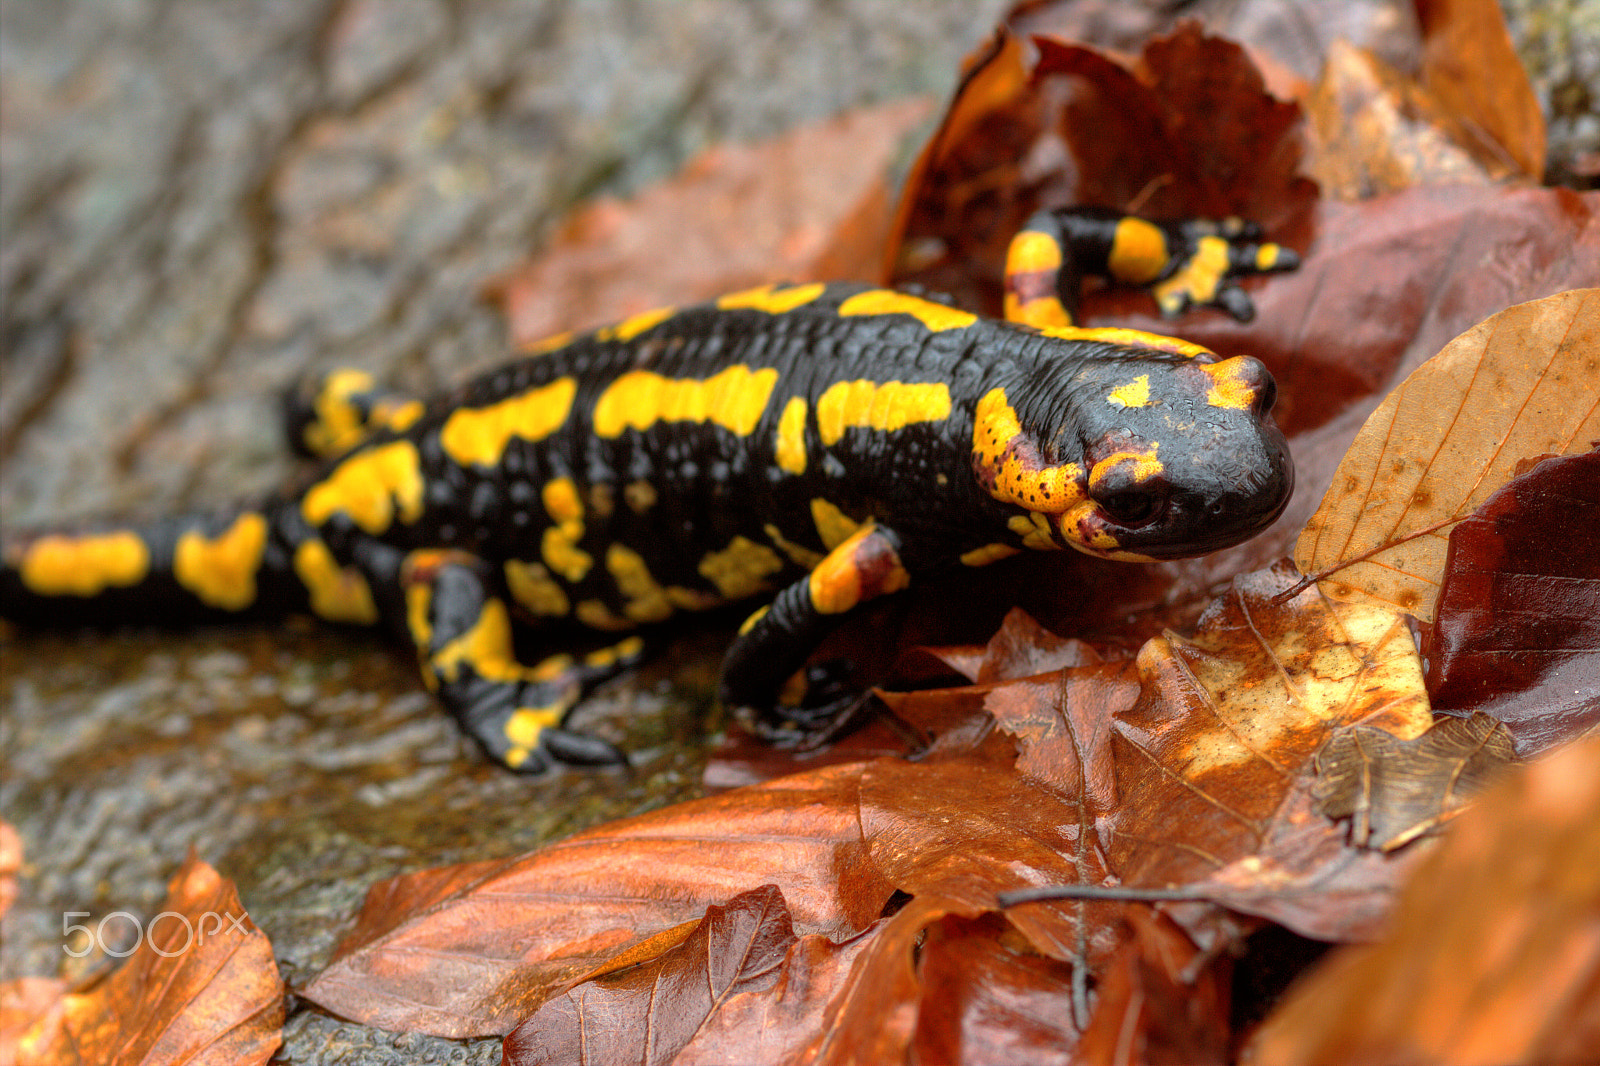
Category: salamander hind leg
<point>326,415</point>
<point>463,633</point>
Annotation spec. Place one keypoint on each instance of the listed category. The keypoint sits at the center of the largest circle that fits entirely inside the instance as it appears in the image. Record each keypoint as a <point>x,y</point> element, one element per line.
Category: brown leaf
<point>201,988</point>
<point>1041,123</point>
<point>1212,763</point>
<point>31,1013</point>
<point>652,1011</point>
<point>1494,952</point>
<point>811,203</point>
<point>10,865</point>
<point>480,947</point>
<point>1497,117</point>
<point>1518,631</point>
<point>1523,383</point>
<point>1394,789</point>
<point>1160,1000</point>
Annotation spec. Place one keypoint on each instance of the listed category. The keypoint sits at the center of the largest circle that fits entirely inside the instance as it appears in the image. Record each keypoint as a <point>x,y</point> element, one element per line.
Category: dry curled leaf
<point>1493,955</point>
<point>1395,790</point>
<point>1524,383</point>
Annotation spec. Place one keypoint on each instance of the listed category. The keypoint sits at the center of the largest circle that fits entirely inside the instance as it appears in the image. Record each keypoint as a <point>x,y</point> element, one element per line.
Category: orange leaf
<point>1523,383</point>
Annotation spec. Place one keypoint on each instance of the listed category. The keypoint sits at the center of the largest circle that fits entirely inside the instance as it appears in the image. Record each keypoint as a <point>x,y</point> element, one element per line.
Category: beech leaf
<point>1523,383</point>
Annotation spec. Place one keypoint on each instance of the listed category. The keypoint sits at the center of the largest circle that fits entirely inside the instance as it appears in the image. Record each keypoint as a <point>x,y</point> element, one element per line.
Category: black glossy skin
<point>677,494</point>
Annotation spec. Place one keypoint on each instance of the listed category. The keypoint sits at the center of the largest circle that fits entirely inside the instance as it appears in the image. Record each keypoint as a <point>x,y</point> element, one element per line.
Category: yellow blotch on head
<point>479,435</point>
<point>734,399</point>
<point>61,565</point>
<point>1230,387</point>
<point>221,572</point>
<point>774,299</point>
<point>1005,453</point>
<point>369,487</point>
<point>1135,393</point>
<point>935,316</point>
<point>337,594</point>
<point>790,449</point>
<point>887,407</point>
<point>1144,465</point>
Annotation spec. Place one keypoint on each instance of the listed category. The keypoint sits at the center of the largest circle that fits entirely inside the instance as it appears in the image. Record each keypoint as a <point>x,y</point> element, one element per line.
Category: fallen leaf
<point>10,865</point>
<point>1493,955</point>
<point>470,951</point>
<point>1497,117</point>
<point>1393,790</point>
<point>813,203</point>
<point>202,987</point>
<point>1523,383</point>
<point>1518,628</point>
<point>737,949</point>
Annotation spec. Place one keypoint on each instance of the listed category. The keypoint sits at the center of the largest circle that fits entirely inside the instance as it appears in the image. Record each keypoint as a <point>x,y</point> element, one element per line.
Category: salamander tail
<point>251,562</point>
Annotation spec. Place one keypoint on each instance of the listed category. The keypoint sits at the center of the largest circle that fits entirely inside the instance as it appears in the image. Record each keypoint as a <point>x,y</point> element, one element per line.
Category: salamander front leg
<point>1196,262</point>
<point>463,636</point>
<point>776,640</point>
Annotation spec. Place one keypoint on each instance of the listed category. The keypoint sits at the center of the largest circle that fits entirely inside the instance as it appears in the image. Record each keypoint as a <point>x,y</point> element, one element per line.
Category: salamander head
<point>1152,456</point>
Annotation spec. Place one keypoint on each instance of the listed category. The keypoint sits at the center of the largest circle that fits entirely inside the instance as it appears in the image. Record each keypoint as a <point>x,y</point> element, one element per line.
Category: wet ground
<point>202,199</point>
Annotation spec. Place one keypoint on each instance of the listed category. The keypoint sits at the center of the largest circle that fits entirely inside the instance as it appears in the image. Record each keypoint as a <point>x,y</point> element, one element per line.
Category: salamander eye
<point>1134,507</point>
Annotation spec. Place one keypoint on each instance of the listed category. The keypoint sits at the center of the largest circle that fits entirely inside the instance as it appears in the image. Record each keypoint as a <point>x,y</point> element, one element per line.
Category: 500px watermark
<point>209,924</point>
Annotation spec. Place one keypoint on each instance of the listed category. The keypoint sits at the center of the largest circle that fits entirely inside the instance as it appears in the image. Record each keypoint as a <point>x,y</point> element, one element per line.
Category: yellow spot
<point>1267,256</point>
<point>833,525</point>
<point>1145,465</point>
<point>597,615</point>
<point>1135,393</point>
<point>561,503</point>
<point>641,496</point>
<point>399,415</point>
<point>887,407</point>
<point>741,569</point>
<point>522,729</point>
<point>1041,312</point>
<point>368,487</point>
<point>479,435</point>
<point>1133,338</point>
<point>989,553</point>
<point>338,424</point>
<point>337,593</point>
<point>774,299</point>
<point>733,399</point>
<point>1229,387</point>
<point>622,651</point>
<point>60,565</point>
<point>602,498</point>
<point>1008,456</point>
<point>754,620</point>
<point>562,554</point>
<point>1198,278</point>
<point>222,572</point>
<point>630,328</point>
<point>798,554</point>
<point>535,590</point>
<point>647,600</point>
<point>549,344</point>
<point>1138,252</point>
<point>1034,529</point>
<point>935,316</point>
<point>486,649</point>
<point>1033,252</point>
<point>791,445</point>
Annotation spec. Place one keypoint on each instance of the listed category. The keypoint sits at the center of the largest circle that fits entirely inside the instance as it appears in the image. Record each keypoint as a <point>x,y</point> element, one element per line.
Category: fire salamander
<point>826,443</point>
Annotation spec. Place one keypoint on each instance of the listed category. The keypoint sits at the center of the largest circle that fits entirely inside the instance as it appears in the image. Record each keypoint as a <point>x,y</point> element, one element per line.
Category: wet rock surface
<point>202,200</point>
